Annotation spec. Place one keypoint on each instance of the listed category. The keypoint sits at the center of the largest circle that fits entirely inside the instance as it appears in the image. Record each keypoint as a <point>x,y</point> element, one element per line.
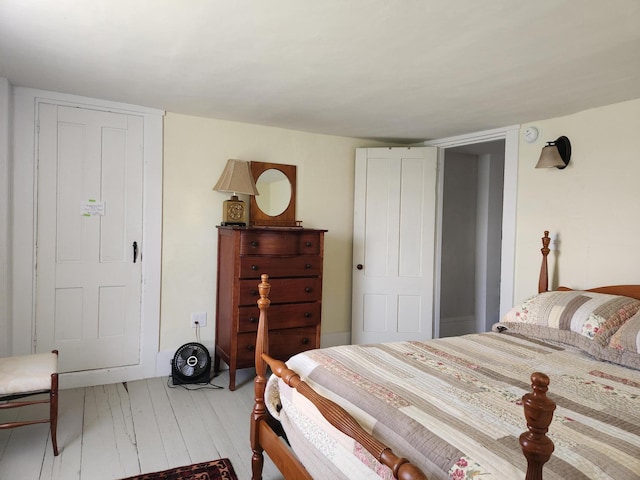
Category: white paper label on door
<point>89,208</point>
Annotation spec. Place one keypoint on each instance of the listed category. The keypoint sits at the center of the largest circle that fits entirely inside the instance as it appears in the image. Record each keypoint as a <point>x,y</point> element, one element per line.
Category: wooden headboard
<point>632,291</point>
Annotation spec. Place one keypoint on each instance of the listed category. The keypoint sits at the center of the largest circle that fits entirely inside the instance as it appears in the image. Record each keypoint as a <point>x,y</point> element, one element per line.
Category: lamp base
<point>234,212</point>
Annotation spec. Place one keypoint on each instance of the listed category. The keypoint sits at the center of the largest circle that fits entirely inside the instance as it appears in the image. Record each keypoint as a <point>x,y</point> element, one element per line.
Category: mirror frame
<point>288,217</point>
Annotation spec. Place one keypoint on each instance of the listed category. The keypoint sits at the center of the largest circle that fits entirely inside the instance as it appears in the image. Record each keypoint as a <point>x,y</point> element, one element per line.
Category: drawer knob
<point>307,266</point>
<point>254,267</point>
<point>308,289</point>
<point>308,244</point>
<point>359,266</point>
<point>254,292</point>
<point>307,314</point>
<point>254,243</point>
<point>251,348</point>
<point>305,341</point>
<point>253,320</point>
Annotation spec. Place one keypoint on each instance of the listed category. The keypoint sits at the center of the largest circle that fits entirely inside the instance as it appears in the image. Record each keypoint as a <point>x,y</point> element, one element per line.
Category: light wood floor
<point>114,431</point>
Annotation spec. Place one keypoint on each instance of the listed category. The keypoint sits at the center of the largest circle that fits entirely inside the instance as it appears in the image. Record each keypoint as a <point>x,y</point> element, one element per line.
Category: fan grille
<point>191,364</point>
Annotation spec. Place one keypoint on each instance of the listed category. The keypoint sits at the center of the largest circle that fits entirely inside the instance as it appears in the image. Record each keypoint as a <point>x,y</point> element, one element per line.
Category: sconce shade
<point>555,154</point>
<point>237,178</point>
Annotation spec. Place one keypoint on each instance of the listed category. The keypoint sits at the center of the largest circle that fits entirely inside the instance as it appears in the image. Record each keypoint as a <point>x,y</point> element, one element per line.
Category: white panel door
<point>88,286</point>
<point>394,244</point>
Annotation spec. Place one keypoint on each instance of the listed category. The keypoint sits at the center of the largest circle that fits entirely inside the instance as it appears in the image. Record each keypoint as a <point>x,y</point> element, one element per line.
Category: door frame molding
<point>510,135</point>
<point>24,231</point>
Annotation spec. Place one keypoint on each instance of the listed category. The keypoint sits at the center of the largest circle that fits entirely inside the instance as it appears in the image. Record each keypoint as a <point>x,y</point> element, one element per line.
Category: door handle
<point>135,251</point>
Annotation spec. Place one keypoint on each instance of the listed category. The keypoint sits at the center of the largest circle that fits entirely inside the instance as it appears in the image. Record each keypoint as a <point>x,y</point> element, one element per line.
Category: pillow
<point>574,317</point>
<point>628,336</point>
<point>624,345</point>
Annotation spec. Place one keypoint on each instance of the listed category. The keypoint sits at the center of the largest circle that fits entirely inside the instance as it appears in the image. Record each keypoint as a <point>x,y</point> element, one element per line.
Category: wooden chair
<point>27,375</point>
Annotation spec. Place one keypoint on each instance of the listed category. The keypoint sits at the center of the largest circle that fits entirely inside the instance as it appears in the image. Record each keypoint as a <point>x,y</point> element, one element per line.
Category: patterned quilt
<point>453,407</point>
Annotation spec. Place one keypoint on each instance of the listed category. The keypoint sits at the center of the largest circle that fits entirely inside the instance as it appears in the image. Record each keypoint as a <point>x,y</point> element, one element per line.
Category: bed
<point>466,407</point>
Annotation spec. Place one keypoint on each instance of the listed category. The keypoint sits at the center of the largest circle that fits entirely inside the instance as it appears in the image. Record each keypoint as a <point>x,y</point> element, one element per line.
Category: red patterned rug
<point>214,470</point>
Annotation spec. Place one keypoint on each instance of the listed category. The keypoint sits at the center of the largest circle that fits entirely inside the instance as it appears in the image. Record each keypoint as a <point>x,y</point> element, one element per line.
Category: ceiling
<point>382,69</point>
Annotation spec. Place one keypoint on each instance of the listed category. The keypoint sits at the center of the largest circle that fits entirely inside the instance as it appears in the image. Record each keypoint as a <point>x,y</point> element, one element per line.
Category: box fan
<point>191,364</point>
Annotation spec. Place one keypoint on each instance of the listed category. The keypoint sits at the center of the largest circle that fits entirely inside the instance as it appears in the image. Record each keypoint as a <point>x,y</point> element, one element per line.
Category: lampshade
<point>555,154</point>
<point>550,157</point>
<point>236,178</point>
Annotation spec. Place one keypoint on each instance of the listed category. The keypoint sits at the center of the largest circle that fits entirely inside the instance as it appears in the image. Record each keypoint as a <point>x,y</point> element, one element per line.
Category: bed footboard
<point>536,446</point>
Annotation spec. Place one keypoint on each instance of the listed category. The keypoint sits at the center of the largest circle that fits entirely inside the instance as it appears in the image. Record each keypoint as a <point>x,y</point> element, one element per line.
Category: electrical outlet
<point>199,319</point>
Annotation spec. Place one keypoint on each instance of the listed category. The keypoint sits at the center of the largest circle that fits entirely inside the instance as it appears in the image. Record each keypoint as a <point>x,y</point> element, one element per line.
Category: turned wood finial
<point>543,281</point>
<point>264,288</point>
<point>538,411</point>
<point>262,344</point>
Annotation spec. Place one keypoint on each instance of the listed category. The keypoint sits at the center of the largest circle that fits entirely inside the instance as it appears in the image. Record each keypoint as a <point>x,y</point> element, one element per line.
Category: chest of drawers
<point>293,260</point>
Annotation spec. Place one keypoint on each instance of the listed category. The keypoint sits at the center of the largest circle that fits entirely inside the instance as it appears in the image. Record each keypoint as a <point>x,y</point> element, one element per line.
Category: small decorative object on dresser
<point>236,178</point>
<point>293,259</point>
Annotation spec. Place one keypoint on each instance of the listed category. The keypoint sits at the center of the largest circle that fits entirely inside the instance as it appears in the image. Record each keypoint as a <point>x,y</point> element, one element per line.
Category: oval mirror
<point>275,192</point>
<point>275,206</point>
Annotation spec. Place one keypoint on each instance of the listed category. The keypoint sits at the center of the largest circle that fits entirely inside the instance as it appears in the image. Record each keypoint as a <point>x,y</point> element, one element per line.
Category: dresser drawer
<point>280,316</point>
<point>279,242</point>
<point>283,290</point>
<point>252,266</point>
<point>283,344</point>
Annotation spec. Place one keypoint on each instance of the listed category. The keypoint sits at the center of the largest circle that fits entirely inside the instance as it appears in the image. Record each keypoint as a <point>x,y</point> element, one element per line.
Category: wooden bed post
<point>543,281</point>
<point>538,410</point>
<point>259,409</point>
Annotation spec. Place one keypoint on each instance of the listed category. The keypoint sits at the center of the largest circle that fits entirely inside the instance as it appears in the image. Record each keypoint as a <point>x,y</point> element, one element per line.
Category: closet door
<point>89,275</point>
<point>394,244</point>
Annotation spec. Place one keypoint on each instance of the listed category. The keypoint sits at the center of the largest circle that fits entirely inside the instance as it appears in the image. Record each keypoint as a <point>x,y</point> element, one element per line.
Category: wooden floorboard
<point>25,447</point>
<point>196,436</point>
<point>108,441</point>
<point>229,422</point>
<point>173,442</point>
<point>67,465</point>
<point>113,431</point>
<point>151,453</point>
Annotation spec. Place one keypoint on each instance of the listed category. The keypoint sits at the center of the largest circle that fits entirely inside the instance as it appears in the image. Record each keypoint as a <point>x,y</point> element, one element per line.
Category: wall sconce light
<point>236,178</point>
<point>555,154</point>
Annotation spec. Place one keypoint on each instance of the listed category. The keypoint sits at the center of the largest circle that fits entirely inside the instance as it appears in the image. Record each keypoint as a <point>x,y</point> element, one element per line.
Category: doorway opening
<point>471,242</point>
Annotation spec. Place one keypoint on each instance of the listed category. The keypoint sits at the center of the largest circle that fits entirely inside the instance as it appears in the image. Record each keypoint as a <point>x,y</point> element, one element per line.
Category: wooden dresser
<point>293,260</point>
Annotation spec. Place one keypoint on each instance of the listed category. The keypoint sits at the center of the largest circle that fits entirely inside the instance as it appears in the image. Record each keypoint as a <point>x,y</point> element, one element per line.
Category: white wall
<point>5,196</point>
<point>195,152</point>
<point>592,205</point>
